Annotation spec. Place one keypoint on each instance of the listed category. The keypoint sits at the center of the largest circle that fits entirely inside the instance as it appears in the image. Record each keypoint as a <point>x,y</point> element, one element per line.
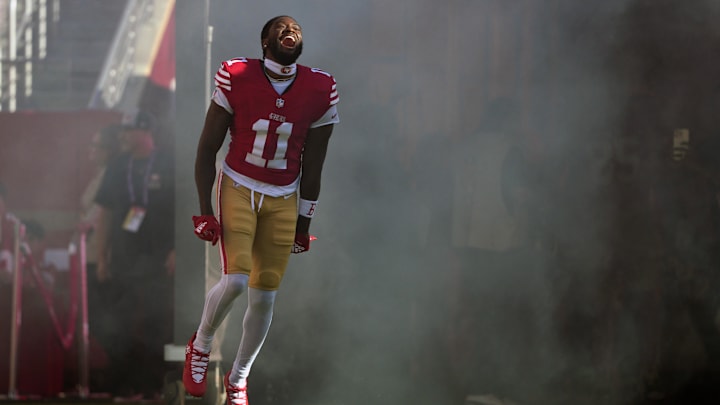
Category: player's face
<point>284,41</point>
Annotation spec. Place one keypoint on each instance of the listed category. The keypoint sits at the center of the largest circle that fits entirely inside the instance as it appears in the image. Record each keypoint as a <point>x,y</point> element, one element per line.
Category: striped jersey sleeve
<point>331,114</point>
<point>223,77</point>
<point>334,97</point>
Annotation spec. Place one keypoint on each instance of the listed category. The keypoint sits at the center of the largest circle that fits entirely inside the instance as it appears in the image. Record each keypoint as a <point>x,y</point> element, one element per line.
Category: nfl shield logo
<point>279,103</point>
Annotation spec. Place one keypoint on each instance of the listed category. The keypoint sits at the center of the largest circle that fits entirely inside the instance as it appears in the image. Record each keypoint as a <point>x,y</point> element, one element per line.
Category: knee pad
<point>267,280</point>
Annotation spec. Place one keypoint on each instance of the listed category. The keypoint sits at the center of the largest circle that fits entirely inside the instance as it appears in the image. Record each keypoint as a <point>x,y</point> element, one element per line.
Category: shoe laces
<point>199,364</point>
<point>236,395</point>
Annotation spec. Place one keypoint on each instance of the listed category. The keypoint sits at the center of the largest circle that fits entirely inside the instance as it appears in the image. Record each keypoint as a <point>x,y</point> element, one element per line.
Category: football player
<point>280,116</point>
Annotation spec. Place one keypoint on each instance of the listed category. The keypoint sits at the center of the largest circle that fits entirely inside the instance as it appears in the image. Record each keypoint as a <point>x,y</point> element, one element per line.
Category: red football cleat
<point>195,370</point>
<point>235,395</point>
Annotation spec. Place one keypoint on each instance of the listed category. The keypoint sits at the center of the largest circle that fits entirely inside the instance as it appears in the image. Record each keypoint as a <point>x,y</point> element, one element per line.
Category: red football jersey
<point>269,129</point>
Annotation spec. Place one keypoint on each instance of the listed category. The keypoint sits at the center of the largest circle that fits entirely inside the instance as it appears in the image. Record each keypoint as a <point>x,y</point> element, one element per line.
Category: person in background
<point>491,253</point>
<point>105,147</point>
<point>135,256</point>
<point>690,215</point>
<point>280,116</point>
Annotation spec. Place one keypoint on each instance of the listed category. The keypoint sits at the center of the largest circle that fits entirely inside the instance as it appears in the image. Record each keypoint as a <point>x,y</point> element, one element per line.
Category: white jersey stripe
<point>222,80</point>
<point>223,72</point>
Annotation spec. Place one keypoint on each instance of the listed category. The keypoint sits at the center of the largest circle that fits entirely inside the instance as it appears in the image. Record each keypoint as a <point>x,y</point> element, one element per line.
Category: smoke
<point>378,312</point>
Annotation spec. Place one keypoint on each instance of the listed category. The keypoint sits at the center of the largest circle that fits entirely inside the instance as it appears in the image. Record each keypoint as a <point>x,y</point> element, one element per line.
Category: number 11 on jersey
<point>262,129</point>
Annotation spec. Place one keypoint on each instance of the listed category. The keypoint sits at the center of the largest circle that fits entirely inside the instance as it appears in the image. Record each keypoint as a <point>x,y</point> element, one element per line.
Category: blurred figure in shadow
<point>688,205</point>
<point>497,279</point>
<point>105,147</point>
<point>135,257</point>
<point>627,320</point>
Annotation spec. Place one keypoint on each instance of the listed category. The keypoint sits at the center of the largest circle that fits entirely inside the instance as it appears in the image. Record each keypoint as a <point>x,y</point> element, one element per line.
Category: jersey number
<point>262,129</point>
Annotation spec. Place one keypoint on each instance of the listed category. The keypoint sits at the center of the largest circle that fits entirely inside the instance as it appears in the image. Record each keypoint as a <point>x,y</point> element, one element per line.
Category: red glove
<point>207,228</point>
<point>302,242</point>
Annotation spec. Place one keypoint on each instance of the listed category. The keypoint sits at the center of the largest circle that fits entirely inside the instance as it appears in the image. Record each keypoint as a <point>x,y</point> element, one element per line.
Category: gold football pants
<point>258,233</point>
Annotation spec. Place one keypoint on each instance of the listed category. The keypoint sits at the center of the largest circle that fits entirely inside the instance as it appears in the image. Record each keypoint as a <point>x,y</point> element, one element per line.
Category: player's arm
<point>316,145</point>
<point>217,122</point>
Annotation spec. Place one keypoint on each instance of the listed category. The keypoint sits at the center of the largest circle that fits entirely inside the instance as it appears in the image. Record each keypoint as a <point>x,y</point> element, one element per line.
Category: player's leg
<point>274,237</point>
<point>238,222</point>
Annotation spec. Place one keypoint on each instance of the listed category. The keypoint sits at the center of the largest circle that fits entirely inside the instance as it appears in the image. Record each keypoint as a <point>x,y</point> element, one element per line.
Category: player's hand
<point>207,228</point>
<point>302,242</point>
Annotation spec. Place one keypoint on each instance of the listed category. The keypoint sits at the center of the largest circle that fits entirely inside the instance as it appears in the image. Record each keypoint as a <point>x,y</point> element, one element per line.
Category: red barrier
<point>37,333</point>
<point>65,334</point>
<point>63,138</point>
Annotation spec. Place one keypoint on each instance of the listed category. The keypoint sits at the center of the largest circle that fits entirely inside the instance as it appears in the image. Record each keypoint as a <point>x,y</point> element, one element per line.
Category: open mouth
<point>288,41</point>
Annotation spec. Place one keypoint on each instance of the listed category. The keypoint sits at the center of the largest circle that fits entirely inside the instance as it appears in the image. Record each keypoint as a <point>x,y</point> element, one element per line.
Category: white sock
<point>218,303</point>
<point>256,324</point>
